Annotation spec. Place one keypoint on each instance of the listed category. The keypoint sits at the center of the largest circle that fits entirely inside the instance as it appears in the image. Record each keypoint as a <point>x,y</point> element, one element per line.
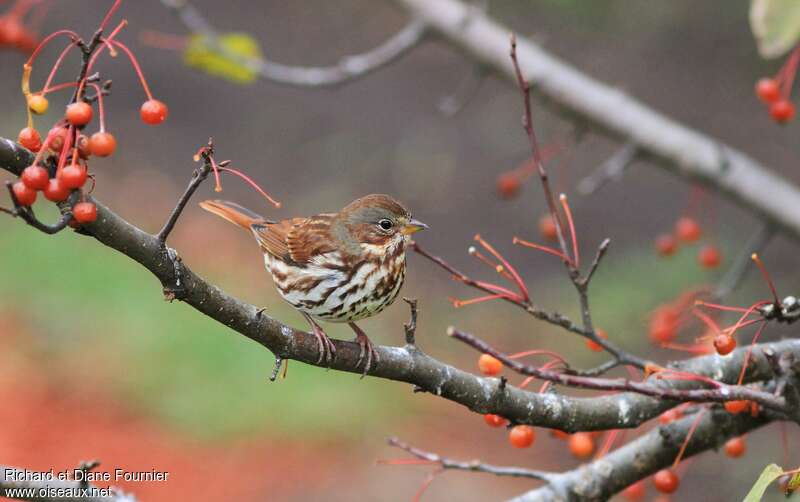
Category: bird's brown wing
<point>296,240</point>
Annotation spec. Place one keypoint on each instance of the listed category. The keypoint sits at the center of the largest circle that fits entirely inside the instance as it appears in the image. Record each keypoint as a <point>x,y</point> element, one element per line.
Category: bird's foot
<point>327,350</point>
<point>367,349</point>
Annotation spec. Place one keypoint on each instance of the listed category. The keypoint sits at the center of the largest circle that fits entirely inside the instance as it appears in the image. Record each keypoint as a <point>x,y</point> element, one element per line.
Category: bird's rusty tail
<point>232,212</point>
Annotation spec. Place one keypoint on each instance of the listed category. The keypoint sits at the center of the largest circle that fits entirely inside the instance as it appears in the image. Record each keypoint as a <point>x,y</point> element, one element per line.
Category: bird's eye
<point>386,224</point>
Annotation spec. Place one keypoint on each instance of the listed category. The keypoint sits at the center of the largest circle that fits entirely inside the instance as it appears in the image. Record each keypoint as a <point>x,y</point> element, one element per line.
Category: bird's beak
<point>413,227</point>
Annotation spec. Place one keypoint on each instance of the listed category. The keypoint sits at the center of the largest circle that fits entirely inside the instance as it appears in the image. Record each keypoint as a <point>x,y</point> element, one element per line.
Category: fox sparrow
<point>335,267</point>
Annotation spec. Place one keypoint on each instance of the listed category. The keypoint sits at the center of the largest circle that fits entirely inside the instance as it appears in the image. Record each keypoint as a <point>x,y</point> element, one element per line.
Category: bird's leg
<point>327,350</point>
<point>366,348</point>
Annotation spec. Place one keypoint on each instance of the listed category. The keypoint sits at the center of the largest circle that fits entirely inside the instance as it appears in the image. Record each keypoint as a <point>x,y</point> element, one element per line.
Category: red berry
<point>25,195</point>
<point>79,114</point>
<point>709,256</point>
<point>635,492</point>
<point>666,481</point>
<point>153,112</point>
<point>30,139</point>
<point>670,416</point>
<point>736,407</point>
<point>494,420</point>
<point>102,144</point>
<point>38,104</point>
<point>72,176</point>
<point>55,191</point>
<point>735,447</point>
<point>724,344</point>
<point>547,228</point>
<point>489,365</point>
<point>663,325</point>
<point>581,445</point>
<point>594,346</point>
<point>508,185</point>
<point>35,177</point>
<point>666,245</point>
<point>782,111</point>
<point>84,212</point>
<point>687,229</point>
<point>521,436</point>
<point>768,90</point>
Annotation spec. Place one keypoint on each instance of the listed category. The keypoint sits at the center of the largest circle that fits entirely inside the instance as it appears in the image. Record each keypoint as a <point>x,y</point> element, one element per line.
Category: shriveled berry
<point>489,366</point>
<point>57,137</point>
<point>666,481</point>
<point>84,212</point>
<point>30,139</point>
<point>38,104</point>
<point>102,144</point>
<point>25,195</point>
<point>153,112</point>
<point>521,436</point>
<point>56,191</point>
<point>84,150</point>
<point>35,177</point>
<point>79,113</point>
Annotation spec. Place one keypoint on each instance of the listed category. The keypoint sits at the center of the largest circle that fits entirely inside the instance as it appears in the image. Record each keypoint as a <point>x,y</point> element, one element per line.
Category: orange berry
<point>494,420</point>
<point>84,212</point>
<point>489,365</point>
<point>79,113</point>
<point>768,90</point>
<point>24,194</point>
<point>594,346</point>
<point>635,492</point>
<point>709,256</point>
<point>102,144</point>
<point>666,245</point>
<point>687,229</point>
<point>724,344</point>
<point>508,185</point>
<point>547,228</point>
<point>735,447</point>
<point>30,139</point>
<point>153,112</point>
<point>666,481</point>
<point>521,436</point>
<point>581,445</point>
<point>782,111</point>
<point>736,407</point>
<point>663,325</point>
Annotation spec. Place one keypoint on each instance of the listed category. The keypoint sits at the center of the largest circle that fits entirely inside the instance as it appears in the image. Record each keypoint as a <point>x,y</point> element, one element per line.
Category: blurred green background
<point>95,364</point>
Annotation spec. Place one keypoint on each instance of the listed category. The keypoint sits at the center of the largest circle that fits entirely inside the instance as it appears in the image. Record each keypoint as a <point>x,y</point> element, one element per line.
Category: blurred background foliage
<point>95,364</point>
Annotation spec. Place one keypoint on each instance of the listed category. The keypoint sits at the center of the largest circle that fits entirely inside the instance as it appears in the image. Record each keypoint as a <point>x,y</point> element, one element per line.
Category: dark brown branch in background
<point>349,67</point>
<point>609,111</point>
<point>473,465</point>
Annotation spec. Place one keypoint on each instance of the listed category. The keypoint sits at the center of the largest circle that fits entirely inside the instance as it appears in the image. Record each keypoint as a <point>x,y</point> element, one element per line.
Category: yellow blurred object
<point>229,63</point>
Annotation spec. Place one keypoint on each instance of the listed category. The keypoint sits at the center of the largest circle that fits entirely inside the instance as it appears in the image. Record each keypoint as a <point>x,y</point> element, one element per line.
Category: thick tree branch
<point>405,364</point>
<point>598,480</point>
<point>677,147</point>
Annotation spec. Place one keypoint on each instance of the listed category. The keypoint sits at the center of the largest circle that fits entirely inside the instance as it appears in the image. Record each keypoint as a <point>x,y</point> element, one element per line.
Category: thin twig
<point>610,170</point>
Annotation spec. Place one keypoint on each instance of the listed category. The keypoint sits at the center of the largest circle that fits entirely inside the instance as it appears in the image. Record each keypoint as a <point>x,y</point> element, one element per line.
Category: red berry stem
<point>135,65</point>
<point>689,434</point>
<point>251,183</point>
<point>109,14</point>
<point>565,205</point>
<point>789,71</point>
<point>74,36</point>
<point>106,41</point>
<point>767,278</point>
<point>100,108</point>
<point>56,66</point>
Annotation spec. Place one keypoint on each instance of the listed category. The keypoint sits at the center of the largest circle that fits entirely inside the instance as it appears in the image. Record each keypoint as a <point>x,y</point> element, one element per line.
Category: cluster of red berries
<point>61,163</point>
<point>13,32</point>
<point>776,91</point>
<point>688,231</point>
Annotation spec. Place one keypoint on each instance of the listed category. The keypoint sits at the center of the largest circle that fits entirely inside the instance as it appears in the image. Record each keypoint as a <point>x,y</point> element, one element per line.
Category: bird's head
<point>378,221</point>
